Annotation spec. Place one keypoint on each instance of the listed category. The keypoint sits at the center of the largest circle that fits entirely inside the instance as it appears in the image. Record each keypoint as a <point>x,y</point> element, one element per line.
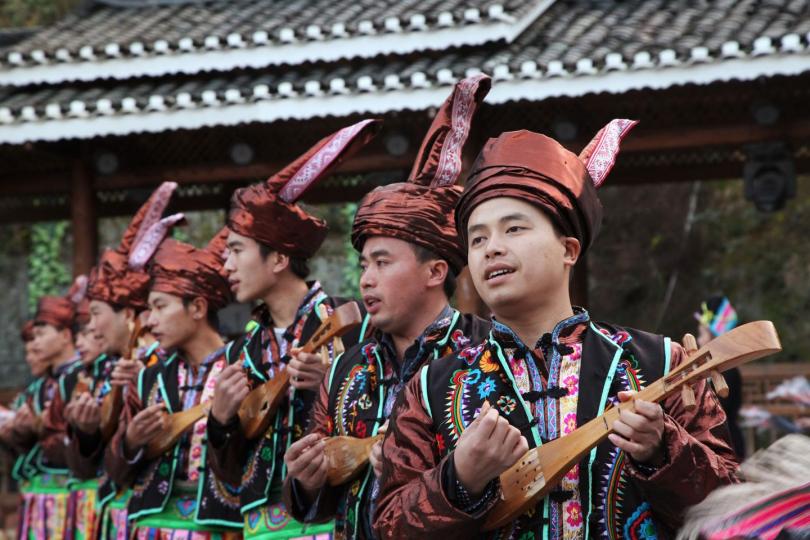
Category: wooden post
<point>83,219</point>
<point>579,283</point>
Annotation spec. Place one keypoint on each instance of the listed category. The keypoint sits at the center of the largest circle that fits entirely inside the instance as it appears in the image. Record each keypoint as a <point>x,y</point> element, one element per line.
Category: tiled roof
<point>12,36</point>
<point>574,48</point>
<point>119,42</point>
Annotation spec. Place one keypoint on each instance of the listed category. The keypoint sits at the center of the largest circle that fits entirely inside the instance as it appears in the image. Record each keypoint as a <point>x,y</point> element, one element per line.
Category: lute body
<point>176,425</point>
<point>83,384</point>
<point>541,468</point>
<point>112,406</point>
<point>347,457</point>
<point>261,404</point>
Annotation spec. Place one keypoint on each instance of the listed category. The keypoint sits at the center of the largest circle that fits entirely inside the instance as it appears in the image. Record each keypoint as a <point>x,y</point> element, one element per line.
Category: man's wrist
<point>308,494</point>
<point>219,417</point>
<point>471,487</point>
<point>652,465</point>
<point>461,497</point>
<point>657,458</point>
<point>130,449</point>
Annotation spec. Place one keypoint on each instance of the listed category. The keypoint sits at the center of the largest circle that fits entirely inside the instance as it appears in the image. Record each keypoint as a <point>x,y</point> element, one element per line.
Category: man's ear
<point>437,272</point>
<point>67,335</point>
<point>129,314</point>
<point>198,308</point>
<point>280,261</point>
<point>572,250</point>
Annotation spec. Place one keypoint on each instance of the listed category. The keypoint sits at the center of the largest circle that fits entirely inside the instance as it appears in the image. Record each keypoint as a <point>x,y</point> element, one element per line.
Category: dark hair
<point>58,327</point>
<point>118,308</point>
<point>424,255</point>
<point>211,315</point>
<point>298,266</point>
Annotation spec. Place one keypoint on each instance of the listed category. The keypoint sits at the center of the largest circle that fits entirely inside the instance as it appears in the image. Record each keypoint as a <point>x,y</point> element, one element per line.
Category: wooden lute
<point>113,403</point>
<point>346,457</point>
<point>83,384</point>
<point>260,405</point>
<point>176,425</point>
<point>542,468</point>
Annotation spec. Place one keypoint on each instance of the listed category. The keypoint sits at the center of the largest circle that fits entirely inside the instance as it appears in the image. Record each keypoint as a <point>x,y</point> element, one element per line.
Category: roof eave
<point>253,54</point>
<point>382,102</point>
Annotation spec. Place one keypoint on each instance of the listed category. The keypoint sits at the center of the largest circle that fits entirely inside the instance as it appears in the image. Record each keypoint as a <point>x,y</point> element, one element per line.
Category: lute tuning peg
<point>338,346</point>
<point>687,394</point>
<point>719,383</point>
<point>689,343</point>
<point>688,397</point>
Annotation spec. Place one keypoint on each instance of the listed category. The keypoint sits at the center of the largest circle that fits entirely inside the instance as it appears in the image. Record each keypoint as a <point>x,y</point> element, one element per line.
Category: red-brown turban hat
<point>420,210</point>
<point>182,270</point>
<point>114,280</point>
<point>62,312</point>
<point>56,311</point>
<point>537,169</point>
<point>77,294</point>
<point>268,212</point>
<point>27,331</point>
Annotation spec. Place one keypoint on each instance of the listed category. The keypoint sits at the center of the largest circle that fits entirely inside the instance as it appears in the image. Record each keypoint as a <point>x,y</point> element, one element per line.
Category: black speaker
<point>770,175</point>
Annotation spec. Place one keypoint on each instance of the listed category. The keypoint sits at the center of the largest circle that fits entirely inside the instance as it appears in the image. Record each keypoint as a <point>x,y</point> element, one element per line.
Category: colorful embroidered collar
<point>435,332</point>
<point>262,313</point>
<point>565,331</point>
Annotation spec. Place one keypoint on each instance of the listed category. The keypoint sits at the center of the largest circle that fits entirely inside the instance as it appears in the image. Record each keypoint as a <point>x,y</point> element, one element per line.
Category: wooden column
<point>83,219</point>
<point>579,283</point>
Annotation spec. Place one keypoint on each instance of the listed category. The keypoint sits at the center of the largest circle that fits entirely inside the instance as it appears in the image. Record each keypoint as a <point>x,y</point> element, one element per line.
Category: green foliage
<point>760,261</point>
<point>351,270</point>
<point>181,235</point>
<point>47,274</point>
<point>28,13</point>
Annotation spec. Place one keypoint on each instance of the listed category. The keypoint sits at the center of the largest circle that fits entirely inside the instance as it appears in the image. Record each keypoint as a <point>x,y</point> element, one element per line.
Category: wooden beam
<point>197,174</point>
<point>83,219</point>
<point>702,136</point>
<point>35,214</point>
<point>646,139</point>
<point>48,184</point>
<point>623,174</point>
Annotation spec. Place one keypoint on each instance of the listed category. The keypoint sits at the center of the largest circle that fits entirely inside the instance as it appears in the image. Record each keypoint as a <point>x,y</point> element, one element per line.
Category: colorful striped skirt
<point>785,512</point>
<point>272,522</point>
<point>45,514</point>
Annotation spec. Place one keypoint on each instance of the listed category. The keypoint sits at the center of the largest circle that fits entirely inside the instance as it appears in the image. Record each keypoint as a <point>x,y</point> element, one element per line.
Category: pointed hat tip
<point>599,155</point>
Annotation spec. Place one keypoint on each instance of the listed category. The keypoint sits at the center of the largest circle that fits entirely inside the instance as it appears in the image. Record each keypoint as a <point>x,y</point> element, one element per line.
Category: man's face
<point>110,326</point>
<point>50,342</point>
<point>515,256</point>
<point>34,361</point>
<point>170,322</point>
<point>392,282</point>
<point>89,345</point>
<point>250,275</point>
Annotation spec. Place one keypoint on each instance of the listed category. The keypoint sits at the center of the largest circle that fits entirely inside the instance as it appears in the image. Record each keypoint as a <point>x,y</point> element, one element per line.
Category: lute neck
<point>595,431</point>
